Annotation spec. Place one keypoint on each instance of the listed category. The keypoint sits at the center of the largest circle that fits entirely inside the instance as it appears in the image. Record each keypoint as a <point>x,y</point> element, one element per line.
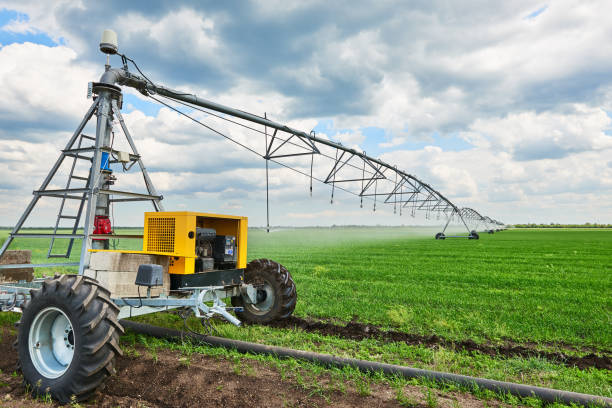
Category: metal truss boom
<point>345,168</point>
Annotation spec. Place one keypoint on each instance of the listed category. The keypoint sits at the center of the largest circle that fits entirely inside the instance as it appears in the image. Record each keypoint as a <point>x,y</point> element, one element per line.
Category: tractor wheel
<point>440,235</point>
<point>474,235</point>
<point>276,293</point>
<point>68,338</point>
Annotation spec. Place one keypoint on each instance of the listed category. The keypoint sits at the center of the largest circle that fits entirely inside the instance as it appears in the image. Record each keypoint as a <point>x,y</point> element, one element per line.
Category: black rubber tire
<point>474,235</point>
<point>278,277</point>
<point>96,332</point>
<point>440,235</point>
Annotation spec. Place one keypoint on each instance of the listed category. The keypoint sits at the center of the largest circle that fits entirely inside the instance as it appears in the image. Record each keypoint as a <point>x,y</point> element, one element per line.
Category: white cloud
<point>531,136</point>
<point>329,214</point>
<point>40,86</point>
<point>351,139</point>
<point>495,184</point>
<point>175,34</point>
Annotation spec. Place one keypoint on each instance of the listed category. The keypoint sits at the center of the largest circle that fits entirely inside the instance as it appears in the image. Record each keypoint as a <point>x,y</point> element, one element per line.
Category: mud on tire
<point>68,338</point>
<point>276,294</point>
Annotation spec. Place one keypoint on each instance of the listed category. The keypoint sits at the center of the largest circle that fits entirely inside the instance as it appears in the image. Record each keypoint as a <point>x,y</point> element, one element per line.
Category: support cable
<point>284,141</point>
<point>246,147</point>
<point>267,183</point>
<point>376,175</point>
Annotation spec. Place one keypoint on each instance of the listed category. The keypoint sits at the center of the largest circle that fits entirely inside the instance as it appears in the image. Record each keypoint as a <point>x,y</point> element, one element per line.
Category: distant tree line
<point>555,225</point>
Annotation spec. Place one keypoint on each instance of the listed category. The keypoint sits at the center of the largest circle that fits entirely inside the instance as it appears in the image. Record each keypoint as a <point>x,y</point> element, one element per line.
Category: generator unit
<point>203,249</point>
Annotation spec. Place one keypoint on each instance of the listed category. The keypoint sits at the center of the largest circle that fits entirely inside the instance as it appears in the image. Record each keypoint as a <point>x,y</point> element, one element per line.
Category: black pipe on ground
<point>545,394</point>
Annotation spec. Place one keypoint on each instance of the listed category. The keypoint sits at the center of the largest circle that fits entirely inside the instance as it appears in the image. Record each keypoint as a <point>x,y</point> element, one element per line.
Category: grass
<point>536,286</point>
<point>548,288</point>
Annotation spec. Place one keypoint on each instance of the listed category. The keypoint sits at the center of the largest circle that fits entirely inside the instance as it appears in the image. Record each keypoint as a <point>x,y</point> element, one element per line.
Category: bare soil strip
<point>169,379</point>
<point>354,330</point>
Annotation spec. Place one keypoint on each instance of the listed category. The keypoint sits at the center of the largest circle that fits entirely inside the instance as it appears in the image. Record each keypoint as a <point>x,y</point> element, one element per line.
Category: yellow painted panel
<point>168,233</point>
<point>184,245</point>
<point>181,265</point>
<point>242,243</point>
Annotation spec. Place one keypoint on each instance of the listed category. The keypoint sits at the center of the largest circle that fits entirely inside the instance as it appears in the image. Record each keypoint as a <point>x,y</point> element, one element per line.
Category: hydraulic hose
<point>545,394</point>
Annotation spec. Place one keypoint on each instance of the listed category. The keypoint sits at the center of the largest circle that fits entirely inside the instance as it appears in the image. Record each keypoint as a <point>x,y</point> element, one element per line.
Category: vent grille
<point>160,235</point>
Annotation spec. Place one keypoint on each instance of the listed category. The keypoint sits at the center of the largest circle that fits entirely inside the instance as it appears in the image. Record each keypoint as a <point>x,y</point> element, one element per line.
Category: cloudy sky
<point>505,107</point>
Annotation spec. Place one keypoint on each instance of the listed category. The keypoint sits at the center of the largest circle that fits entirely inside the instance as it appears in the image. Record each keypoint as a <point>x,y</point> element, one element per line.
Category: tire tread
<point>287,291</point>
<point>96,318</point>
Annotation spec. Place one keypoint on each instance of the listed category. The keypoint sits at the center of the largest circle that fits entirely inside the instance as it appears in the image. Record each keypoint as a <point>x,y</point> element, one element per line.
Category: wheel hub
<point>261,295</point>
<point>265,300</point>
<point>51,342</point>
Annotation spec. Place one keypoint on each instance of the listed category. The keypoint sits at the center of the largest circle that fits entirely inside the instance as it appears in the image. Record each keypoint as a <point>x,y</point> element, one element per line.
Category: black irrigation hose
<point>545,394</point>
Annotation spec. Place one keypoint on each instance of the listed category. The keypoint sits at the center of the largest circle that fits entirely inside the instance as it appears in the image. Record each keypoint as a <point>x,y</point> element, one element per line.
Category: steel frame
<point>473,220</point>
<point>106,106</point>
<point>344,168</point>
<point>13,296</point>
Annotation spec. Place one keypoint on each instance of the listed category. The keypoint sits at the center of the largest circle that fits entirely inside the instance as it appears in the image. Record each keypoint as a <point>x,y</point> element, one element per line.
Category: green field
<point>549,289</point>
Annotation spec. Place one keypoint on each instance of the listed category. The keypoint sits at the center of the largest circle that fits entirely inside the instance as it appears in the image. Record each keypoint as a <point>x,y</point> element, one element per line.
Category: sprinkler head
<point>108,44</point>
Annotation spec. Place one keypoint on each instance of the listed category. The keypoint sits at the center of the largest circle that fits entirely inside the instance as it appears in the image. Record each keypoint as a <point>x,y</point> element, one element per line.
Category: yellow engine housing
<point>173,234</point>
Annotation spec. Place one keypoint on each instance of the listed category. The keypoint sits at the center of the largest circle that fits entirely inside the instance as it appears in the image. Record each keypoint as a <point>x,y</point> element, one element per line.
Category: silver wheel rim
<point>265,305</point>
<point>51,342</point>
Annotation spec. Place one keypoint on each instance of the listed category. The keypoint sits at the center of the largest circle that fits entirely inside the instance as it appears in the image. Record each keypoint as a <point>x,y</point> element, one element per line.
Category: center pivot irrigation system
<point>69,330</point>
<point>316,158</point>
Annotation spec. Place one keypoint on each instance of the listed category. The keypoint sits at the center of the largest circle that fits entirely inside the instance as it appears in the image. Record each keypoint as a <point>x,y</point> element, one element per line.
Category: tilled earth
<point>357,331</point>
<point>170,379</point>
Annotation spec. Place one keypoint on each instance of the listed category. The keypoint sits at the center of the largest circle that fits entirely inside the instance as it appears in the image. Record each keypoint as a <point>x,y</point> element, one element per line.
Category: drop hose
<point>521,390</point>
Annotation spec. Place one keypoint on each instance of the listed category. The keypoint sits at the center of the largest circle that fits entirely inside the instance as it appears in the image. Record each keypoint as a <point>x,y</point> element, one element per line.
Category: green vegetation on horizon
<point>553,225</point>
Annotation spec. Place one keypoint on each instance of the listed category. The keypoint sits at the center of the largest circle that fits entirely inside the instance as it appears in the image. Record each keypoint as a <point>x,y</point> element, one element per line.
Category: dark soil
<point>169,379</point>
<point>358,331</point>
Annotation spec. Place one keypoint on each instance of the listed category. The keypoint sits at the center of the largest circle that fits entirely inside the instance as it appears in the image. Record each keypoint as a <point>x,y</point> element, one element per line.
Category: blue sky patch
<point>132,103</point>
<point>608,130</point>
<point>536,13</point>
<point>375,136</point>
<point>7,37</point>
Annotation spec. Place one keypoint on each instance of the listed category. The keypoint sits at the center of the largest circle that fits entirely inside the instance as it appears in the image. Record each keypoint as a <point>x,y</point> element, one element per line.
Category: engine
<point>214,252</point>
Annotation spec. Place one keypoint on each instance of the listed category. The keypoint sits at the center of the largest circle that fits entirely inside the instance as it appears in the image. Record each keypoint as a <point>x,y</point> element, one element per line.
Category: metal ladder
<point>74,153</point>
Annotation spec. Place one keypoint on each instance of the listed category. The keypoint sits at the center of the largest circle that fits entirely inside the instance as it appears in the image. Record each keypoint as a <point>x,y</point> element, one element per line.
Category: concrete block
<point>121,284</point>
<point>117,272</point>
<point>16,257</point>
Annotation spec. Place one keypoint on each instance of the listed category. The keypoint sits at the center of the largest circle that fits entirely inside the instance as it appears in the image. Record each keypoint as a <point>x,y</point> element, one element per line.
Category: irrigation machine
<point>68,335</point>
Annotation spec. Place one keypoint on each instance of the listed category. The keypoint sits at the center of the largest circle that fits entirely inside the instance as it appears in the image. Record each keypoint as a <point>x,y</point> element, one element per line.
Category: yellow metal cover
<point>173,234</point>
